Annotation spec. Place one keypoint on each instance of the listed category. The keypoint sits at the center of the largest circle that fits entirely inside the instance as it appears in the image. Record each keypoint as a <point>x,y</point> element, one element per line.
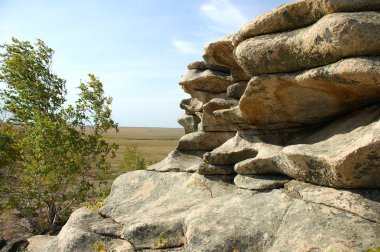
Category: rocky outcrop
<point>281,151</point>
<point>189,212</point>
<point>334,37</point>
<point>312,96</point>
<point>300,14</point>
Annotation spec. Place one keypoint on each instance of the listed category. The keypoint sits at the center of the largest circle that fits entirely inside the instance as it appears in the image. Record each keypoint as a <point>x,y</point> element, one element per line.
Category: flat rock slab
<point>241,221</point>
<point>205,80</point>
<point>148,204</point>
<point>349,158</point>
<point>315,227</point>
<point>40,242</point>
<point>191,106</point>
<point>179,161</point>
<point>312,96</point>
<point>210,169</point>
<point>77,236</point>
<point>203,141</point>
<point>221,53</point>
<point>299,14</point>
<point>145,205</point>
<point>360,202</point>
<point>261,182</point>
<point>332,38</point>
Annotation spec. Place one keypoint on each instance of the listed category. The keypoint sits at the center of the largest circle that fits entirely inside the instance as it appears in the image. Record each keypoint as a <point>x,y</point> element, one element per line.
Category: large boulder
<point>203,141</point>
<point>220,54</point>
<point>208,80</point>
<point>189,123</point>
<point>299,14</point>
<point>152,204</point>
<point>79,235</point>
<point>191,106</point>
<point>176,161</point>
<point>334,37</point>
<point>179,211</point>
<point>312,96</point>
<point>348,158</point>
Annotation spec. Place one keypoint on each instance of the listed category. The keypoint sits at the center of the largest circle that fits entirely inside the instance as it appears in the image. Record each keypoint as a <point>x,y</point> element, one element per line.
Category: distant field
<point>154,143</point>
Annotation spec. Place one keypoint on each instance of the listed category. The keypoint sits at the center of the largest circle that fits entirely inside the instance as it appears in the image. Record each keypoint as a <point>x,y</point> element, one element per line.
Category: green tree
<point>62,144</point>
<point>9,155</point>
<point>133,159</point>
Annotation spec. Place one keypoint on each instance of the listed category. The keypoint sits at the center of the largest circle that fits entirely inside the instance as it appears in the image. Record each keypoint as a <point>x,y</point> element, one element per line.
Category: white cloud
<point>222,15</point>
<point>185,46</point>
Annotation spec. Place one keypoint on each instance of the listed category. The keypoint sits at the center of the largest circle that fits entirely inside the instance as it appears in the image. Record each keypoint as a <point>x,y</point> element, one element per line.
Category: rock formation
<point>281,151</point>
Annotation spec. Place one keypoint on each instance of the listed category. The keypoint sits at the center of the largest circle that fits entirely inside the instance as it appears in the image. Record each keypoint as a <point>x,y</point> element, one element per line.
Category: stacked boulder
<point>281,151</point>
<point>286,83</point>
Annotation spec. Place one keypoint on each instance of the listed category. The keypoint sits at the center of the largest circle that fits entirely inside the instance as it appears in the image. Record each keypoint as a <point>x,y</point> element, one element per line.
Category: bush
<point>133,159</point>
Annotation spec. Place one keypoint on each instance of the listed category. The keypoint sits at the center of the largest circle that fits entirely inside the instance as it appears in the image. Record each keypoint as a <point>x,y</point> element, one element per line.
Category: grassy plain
<point>154,143</point>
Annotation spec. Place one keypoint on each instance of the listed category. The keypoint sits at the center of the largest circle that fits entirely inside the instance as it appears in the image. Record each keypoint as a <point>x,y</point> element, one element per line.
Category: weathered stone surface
<point>76,236</point>
<point>148,204</point>
<point>236,90</point>
<point>40,242</point>
<point>245,145</point>
<point>201,65</point>
<point>188,161</point>
<point>210,169</point>
<point>299,14</point>
<point>311,96</point>
<point>348,159</point>
<point>221,53</point>
<point>315,227</point>
<point>260,182</point>
<point>243,222</point>
<point>209,81</point>
<point>204,97</point>
<point>191,106</point>
<point>2,242</point>
<point>178,206</point>
<point>189,123</point>
<point>334,37</point>
<point>203,141</point>
<point>363,203</point>
<point>238,75</point>
<point>210,119</point>
<point>229,119</point>
<point>107,227</point>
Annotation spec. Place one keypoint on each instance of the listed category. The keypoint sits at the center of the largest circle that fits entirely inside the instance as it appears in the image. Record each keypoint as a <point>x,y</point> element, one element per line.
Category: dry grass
<point>154,143</point>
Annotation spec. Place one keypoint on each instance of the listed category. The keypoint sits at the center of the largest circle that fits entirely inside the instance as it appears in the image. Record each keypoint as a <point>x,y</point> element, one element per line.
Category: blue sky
<point>138,49</point>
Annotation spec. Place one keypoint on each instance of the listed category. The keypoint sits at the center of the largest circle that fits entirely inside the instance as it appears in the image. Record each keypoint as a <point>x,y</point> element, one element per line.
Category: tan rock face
<point>221,53</point>
<point>334,37</point>
<point>299,14</point>
<point>189,123</point>
<point>179,161</point>
<point>203,141</point>
<point>350,158</point>
<point>144,204</point>
<point>209,81</point>
<point>312,96</point>
<point>191,106</point>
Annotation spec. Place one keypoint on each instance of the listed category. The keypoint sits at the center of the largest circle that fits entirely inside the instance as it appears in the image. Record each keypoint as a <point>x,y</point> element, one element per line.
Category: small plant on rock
<point>160,242</point>
<point>99,246</point>
<point>199,181</point>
